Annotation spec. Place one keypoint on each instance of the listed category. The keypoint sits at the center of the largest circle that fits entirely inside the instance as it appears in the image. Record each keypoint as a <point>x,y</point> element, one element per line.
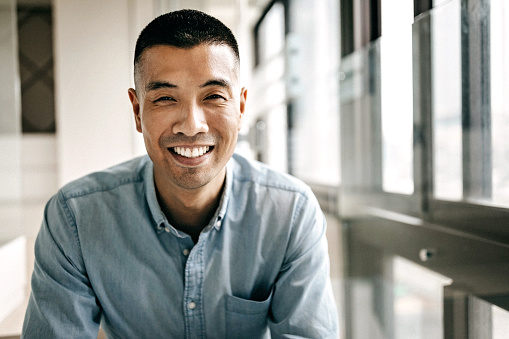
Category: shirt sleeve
<point>62,303</point>
<point>303,305</point>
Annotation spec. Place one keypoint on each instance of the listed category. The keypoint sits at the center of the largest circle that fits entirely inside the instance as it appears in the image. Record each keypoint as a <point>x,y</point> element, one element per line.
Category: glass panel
<point>499,322</point>
<point>269,90</point>
<point>499,42</point>
<point>418,301</point>
<point>312,85</point>
<point>405,302</point>
<point>397,96</point>
<point>276,138</point>
<point>446,92</point>
<point>271,33</point>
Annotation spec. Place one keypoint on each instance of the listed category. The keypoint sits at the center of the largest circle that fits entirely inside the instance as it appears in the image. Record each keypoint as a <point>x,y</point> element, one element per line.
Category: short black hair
<point>186,28</point>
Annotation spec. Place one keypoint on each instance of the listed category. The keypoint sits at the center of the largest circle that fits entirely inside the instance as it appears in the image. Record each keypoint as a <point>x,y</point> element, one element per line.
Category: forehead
<point>200,62</point>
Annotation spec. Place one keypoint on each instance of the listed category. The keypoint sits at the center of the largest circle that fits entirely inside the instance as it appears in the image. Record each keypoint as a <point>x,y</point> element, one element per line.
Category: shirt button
<point>167,229</point>
<point>218,223</point>
<point>191,305</point>
<point>185,252</point>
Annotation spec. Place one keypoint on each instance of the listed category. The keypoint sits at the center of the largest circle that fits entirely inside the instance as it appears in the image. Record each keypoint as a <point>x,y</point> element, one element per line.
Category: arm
<point>303,304</point>
<point>62,303</point>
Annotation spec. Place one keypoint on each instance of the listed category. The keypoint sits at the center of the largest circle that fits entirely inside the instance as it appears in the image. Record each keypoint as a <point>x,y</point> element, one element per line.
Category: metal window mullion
<point>476,98</point>
<point>423,112</point>
<point>422,6</point>
<point>374,140</point>
<point>346,27</point>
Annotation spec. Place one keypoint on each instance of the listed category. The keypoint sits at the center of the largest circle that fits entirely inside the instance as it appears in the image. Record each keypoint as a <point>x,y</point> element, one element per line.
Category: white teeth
<point>191,152</point>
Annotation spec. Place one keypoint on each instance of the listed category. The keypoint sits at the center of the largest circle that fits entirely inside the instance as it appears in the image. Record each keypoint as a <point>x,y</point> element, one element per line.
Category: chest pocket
<point>247,318</point>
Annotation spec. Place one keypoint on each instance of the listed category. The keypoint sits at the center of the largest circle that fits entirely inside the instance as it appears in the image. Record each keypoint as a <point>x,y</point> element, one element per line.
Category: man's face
<point>189,107</point>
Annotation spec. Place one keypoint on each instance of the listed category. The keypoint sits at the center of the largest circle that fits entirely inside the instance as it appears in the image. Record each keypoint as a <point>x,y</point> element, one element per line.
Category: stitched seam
<point>275,186</point>
<point>72,222</point>
<point>122,182</point>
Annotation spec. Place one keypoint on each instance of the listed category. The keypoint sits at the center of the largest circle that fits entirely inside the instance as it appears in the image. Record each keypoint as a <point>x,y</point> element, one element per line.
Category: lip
<point>190,162</point>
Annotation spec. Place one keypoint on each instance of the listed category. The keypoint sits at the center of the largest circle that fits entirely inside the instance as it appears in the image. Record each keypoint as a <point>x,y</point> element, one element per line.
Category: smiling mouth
<point>191,152</point>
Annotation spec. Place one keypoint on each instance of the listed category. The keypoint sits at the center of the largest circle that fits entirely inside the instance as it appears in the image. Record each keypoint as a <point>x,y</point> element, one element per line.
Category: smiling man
<point>189,107</point>
<point>191,241</point>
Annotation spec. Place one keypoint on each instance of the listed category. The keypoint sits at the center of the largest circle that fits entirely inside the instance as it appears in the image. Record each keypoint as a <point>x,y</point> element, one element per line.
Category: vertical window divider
<point>476,99</point>
<point>423,105</point>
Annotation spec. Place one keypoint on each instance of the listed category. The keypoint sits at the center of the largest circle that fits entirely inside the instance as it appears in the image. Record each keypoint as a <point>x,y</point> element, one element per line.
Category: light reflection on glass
<point>397,96</point>
<point>446,91</point>
<point>499,322</point>
<point>270,93</point>
<point>418,301</point>
<point>313,63</point>
<point>272,32</point>
<point>499,41</point>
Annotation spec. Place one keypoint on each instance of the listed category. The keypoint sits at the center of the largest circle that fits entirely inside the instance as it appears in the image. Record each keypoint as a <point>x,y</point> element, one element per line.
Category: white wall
<point>93,71</point>
<point>10,121</point>
<point>94,43</point>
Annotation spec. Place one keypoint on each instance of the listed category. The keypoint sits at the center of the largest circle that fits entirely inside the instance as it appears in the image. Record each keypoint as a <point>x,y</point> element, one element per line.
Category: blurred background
<point>395,112</point>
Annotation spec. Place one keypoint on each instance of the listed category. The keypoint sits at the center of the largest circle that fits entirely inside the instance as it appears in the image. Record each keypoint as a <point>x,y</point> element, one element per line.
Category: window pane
<point>312,85</point>
<point>272,33</point>
<point>499,322</point>
<point>499,42</point>
<point>397,96</point>
<point>418,301</point>
<point>270,129</point>
<point>446,91</point>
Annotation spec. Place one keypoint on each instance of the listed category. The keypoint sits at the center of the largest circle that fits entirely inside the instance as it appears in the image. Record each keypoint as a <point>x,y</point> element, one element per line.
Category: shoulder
<point>126,173</point>
<point>257,173</point>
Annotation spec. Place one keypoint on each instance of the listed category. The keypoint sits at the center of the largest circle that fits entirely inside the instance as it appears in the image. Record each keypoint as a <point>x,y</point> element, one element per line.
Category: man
<point>191,241</point>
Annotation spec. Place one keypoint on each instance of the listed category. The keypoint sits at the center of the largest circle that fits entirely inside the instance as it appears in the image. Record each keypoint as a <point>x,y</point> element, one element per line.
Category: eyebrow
<point>154,85</point>
<point>217,82</point>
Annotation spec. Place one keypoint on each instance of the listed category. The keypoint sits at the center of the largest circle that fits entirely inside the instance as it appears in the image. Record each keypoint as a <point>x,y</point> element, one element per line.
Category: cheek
<point>230,125</point>
<point>153,128</point>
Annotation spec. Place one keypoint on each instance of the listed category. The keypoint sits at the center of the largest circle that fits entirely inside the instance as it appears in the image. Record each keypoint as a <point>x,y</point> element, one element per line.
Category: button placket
<point>193,292</point>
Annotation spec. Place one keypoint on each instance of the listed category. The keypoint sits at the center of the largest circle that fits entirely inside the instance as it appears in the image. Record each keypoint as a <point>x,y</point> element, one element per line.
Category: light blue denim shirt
<point>107,255</point>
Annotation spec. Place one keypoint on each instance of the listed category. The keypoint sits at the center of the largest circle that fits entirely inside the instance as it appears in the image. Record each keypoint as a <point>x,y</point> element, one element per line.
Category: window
<point>455,207</point>
<point>418,295</point>
<point>270,34</point>
<point>397,96</point>
<point>499,45</point>
<point>312,87</point>
<point>447,105</point>
<point>269,131</point>
<point>36,69</point>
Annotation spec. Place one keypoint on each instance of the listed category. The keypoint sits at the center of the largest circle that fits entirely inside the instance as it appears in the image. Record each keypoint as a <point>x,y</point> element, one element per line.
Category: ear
<point>243,98</point>
<point>136,108</point>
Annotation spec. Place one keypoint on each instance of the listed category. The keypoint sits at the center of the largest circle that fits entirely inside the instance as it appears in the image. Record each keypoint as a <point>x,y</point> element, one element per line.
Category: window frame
<point>471,235</point>
<point>479,217</point>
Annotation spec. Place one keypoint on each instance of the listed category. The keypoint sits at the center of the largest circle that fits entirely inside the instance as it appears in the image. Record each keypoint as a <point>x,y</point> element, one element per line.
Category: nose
<point>191,120</point>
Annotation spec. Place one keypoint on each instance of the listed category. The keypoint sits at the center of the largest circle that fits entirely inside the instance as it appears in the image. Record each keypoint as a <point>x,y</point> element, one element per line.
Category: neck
<point>190,210</point>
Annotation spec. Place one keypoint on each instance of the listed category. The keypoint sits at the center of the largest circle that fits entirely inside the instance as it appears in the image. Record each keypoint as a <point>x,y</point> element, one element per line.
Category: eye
<point>164,99</point>
<point>215,96</point>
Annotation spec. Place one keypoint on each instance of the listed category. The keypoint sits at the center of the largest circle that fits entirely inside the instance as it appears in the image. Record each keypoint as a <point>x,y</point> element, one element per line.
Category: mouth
<point>191,152</point>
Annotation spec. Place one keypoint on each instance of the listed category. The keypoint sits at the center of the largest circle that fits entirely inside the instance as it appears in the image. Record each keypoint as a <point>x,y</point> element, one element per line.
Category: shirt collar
<point>223,204</point>
<point>160,221</point>
<point>153,204</point>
